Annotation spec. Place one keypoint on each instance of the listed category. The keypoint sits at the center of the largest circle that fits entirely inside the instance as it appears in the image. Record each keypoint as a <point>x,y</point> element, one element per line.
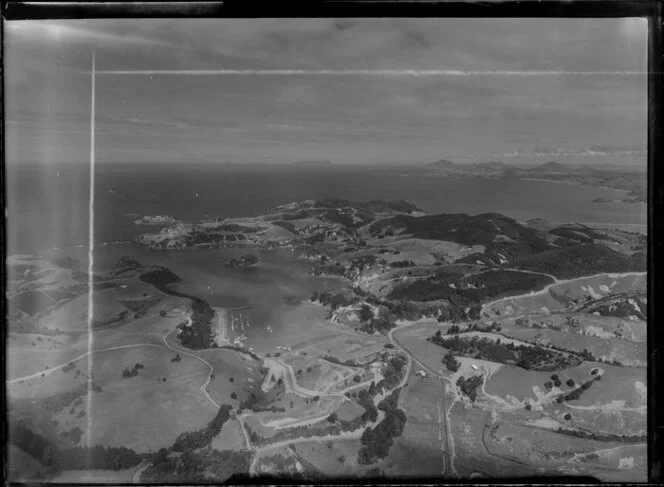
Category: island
<point>155,220</point>
<point>633,182</point>
<point>247,261</point>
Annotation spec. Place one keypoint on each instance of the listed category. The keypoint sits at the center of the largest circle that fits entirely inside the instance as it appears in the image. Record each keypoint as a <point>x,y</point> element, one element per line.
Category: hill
<point>552,166</point>
<point>444,164</point>
<point>313,163</point>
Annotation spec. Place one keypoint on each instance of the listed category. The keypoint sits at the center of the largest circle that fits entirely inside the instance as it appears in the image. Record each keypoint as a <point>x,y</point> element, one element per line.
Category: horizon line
<point>363,72</point>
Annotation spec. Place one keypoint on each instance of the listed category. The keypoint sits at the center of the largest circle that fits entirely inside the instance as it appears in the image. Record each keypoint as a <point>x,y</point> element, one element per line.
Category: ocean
<point>47,207</point>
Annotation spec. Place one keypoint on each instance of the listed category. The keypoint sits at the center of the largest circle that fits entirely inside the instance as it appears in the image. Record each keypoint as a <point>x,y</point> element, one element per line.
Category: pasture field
<point>94,476</point>
<point>21,467</point>
<point>230,437</point>
<point>609,419</point>
<point>471,455</point>
<point>600,286</point>
<point>564,453</point>
<point>318,338</point>
<point>279,461</point>
<point>415,454</point>
<point>333,459</point>
<point>253,420</point>
<point>232,373</point>
<point>524,305</point>
<point>610,349</point>
<point>73,315</point>
<point>426,252</point>
<point>616,383</point>
<point>144,412</point>
<point>49,351</point>
<point>626,463</point>
<point>626,384</point>
<point>560,296</point>
<point>30,302</point>
<point>424,432</point>
<point>422,399</point>
<point>414,339</point>
<point>349,410</point>
<point>588,324</point>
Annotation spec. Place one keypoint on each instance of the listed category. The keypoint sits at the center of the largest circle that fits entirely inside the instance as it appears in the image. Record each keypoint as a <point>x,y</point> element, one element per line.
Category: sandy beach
<point>221,336</point>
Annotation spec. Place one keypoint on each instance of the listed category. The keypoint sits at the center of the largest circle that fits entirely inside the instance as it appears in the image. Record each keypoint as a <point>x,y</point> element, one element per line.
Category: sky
<point>514,90</point>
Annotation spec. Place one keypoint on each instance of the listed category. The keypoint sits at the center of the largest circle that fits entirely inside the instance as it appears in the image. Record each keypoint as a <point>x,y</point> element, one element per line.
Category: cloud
<point>592,151</point>
<point>38,31</point>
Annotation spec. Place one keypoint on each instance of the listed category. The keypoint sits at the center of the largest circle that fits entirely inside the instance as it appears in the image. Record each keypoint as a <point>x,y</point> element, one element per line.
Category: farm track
<point>49,371</point>
<point>487,425</point>
<point>448,451</point>
<point>136,477</point>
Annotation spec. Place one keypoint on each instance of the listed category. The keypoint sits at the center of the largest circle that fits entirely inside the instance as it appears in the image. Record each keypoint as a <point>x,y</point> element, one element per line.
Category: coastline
<point>625,191</point>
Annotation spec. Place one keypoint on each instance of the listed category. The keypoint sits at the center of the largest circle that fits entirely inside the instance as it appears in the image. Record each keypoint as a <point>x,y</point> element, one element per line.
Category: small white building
<point>474,366</point>
<point>421,373</point>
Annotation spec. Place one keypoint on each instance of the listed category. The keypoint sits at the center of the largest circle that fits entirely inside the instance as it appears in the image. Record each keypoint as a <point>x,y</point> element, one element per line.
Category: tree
<point>451,362</point>
<point>233,395</point>
<point>332,418</point>
<point>162,313</point>
<point>366,313</point>
<point>570,382</point>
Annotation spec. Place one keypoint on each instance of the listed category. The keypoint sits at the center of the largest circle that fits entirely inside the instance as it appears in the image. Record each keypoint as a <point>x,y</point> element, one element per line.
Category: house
<point>473,366</point>
<point>421,373</point>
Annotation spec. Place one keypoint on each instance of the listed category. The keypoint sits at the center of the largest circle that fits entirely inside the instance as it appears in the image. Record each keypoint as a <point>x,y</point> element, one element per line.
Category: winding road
<point>200,359</point>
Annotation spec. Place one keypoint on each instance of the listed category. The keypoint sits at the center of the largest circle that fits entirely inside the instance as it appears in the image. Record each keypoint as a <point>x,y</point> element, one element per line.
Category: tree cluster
<point>127,373</point>
<point>376,442</point>
<point>470,386</point>
<point>76,458</point>
<point>451,362</point>
<point>203,437</point>
<point>529,357</point>
<point>199,335</point>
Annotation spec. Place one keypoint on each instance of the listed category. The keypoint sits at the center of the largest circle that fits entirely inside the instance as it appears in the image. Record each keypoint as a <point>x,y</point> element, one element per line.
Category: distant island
<point>633,182</point>
<point>313,163</point>
<point>247,261</point>
<point>156,220</point>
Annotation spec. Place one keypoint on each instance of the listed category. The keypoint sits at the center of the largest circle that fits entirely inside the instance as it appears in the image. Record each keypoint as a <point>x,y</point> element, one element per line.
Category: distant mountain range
<point>499,167</point>
<point>633,181</point>
<point>552,166</point>
<point>313,163</point>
